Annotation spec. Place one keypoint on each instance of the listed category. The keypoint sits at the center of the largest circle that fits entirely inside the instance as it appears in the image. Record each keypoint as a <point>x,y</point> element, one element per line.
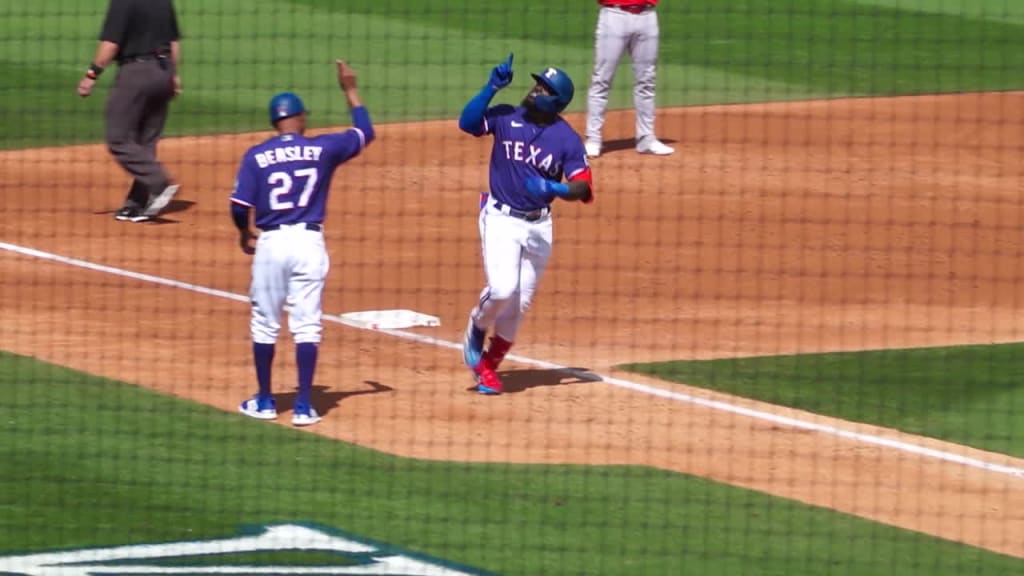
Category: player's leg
<point>305,319</point>
<point>644,52</point>
<point>502,240</point>
<point>267,292</point>
<point>536,255</point>
<point>610,40</point>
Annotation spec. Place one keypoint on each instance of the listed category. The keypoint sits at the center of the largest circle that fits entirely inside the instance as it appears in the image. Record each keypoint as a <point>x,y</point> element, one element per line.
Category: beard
<point>534,114</point>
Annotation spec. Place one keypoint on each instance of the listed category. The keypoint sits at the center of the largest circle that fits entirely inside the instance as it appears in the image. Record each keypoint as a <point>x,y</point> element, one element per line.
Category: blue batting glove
<point>501,75</point>
<point>544,188</point>
<point>538,187</point>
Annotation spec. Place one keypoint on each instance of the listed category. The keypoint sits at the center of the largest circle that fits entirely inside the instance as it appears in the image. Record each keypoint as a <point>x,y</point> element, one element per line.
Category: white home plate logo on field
<point>353,556</point>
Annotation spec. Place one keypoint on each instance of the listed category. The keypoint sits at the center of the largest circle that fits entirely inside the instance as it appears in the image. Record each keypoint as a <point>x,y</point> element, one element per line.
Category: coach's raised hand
<point>501,75</point>
<point>360,116</point>
<point>347,83</point>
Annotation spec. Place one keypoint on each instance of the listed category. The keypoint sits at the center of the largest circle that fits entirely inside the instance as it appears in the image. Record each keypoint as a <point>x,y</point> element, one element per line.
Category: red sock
<point>496,351</point>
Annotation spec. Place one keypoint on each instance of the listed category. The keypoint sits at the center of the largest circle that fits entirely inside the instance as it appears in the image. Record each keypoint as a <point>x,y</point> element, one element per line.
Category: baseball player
<point>534,150</point>
<point>284,182</point>
<point>625,25</point>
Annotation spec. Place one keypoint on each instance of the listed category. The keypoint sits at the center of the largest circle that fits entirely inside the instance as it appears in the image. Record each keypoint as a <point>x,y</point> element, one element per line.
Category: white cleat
<point>305,418</point>
<point>656,147</point>
<point>593,149</point>
<point>253,409</point>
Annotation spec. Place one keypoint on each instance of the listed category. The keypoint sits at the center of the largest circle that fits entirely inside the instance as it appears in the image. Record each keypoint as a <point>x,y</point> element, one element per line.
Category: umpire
<point>142,37</point>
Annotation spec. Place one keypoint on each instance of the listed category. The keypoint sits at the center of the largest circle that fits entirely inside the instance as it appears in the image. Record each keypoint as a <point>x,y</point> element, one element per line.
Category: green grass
<point>997,10</point>
<point>424,58</point>
<point>806,47</point>
<point>971,395</point>
<point>90,462</point>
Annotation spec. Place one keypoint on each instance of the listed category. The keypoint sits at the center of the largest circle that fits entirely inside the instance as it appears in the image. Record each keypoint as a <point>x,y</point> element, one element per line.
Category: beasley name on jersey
<point>523,149</point>
<point>287,154</point>
<point>286,179</point>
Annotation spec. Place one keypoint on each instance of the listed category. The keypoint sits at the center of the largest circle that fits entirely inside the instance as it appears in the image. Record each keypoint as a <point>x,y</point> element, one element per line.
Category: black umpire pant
<point>136,113</point>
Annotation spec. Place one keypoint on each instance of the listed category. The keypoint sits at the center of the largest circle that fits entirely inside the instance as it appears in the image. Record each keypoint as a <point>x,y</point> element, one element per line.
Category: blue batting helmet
<point>560,86</point>
<point>285,105</point>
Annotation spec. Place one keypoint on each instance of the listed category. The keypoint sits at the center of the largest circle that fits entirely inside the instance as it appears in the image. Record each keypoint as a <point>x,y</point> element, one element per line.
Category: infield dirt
<point>775,228</point>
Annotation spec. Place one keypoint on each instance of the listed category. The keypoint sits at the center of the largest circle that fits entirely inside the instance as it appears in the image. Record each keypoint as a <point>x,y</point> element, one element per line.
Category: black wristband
<point>94,71</point>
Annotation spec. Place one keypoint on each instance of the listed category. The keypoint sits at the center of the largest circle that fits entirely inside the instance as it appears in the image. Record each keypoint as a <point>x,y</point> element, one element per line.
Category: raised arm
<point>360,115</point>
<point>471,120</point>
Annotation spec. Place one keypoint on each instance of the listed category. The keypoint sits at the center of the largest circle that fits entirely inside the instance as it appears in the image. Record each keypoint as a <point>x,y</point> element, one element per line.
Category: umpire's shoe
<point>160,201</point>
<point>130,214</point>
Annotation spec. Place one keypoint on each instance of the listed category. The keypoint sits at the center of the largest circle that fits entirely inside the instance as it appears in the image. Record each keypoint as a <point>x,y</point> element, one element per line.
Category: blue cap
<point>561,87</point>
<point>285,105</point>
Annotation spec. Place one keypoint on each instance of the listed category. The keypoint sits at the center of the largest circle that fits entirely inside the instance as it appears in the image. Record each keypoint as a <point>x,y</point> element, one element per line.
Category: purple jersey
<point>523,149</point>
<point>286,179</point>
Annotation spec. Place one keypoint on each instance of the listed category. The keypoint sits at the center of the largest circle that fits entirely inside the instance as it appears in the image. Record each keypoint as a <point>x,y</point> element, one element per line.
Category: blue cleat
<point>305,416</point>
<point>473,345</point>
<point>260,408</point>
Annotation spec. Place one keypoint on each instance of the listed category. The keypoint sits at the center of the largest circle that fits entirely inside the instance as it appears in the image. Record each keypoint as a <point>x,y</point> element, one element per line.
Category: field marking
<point>619,382</point>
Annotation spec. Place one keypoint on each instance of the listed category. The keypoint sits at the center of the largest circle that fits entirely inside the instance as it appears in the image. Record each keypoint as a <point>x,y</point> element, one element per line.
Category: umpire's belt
<point>307,225</point>
<point>531,216</point>
<point>143,57</point>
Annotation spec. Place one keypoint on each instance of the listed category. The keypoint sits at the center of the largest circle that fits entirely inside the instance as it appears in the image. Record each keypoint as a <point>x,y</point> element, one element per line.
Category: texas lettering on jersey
<point>286,179</point>
<point>534,155</point>
<point>523,149</point>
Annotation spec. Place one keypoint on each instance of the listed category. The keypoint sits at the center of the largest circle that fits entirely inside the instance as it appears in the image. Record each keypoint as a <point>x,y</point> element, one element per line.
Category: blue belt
<point>529,216</point>
<point>307,225</point>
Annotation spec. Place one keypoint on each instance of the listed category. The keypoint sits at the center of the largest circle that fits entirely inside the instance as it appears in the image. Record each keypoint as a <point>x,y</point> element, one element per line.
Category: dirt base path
<point>775,228</point>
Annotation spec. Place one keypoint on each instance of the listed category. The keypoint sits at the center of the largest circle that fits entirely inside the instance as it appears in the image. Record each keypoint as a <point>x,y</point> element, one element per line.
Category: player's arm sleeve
<point>471,121</point>
<point>244,195</point>
<point>577,172</point>
<point>240,216</point>
<point>346,145</point>
<point>115,23</point>
<point>581,185</point>
<point>361,122</point>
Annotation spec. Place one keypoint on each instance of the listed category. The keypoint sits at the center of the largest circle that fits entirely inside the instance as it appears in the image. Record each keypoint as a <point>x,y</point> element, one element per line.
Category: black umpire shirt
<point>140,27</point>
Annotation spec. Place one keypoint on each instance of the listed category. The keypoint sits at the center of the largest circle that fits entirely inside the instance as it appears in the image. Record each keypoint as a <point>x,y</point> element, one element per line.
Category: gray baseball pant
<point>617,32</point>
<point>136,113</point>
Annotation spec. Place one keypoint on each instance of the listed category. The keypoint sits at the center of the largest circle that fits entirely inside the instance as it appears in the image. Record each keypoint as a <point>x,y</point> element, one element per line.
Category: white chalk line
<point>626,384</point>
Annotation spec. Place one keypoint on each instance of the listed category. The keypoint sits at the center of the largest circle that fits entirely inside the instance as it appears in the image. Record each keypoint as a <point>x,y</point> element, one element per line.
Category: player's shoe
<point>487,380</point>
<point>160,201</point>
<point>656,147</point>
<point>260,408</point>
<point>473,345</point>
<point>129,214</point>
<point>305,417</point>
<point>593,148</point>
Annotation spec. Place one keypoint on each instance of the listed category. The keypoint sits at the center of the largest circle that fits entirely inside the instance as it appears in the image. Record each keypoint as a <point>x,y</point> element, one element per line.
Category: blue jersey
<point>523,149</point>
<point>286,179</point>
